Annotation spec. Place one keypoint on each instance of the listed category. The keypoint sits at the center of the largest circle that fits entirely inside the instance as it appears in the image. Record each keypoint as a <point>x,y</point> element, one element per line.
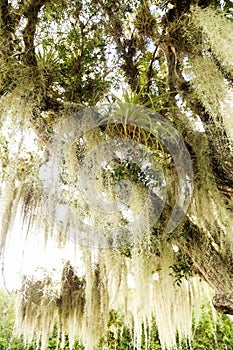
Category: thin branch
<point>150,70</point>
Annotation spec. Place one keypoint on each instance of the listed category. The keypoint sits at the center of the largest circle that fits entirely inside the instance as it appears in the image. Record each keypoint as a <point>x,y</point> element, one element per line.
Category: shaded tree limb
<point>31,13</point>
<point>126,47</point>
<point>211,265</point>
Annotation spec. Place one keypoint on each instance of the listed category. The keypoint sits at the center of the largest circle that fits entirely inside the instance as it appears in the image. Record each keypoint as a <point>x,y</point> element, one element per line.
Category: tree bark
<point>210,265</point>
<point>31,13</point>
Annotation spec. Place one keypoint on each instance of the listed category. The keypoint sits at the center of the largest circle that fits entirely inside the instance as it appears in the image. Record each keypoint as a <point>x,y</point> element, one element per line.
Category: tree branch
<point>223,303</point>
<point>31,13</point>
<point>207,259</point>
<point>150,69</point>
<point>126,47</point>
<point>9,20</point>
<point>211,265</point>
<point>4,7</point>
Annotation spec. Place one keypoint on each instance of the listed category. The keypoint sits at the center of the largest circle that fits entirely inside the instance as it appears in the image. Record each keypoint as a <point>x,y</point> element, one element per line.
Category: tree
<point>173,58</point>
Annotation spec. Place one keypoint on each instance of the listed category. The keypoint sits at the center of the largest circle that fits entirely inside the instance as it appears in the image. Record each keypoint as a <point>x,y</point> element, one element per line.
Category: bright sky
<point>21,255</point>
<point>31,256</point>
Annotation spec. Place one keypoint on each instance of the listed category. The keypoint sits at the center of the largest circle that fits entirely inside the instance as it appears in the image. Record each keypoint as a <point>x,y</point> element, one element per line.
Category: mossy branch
<point>31,13</point>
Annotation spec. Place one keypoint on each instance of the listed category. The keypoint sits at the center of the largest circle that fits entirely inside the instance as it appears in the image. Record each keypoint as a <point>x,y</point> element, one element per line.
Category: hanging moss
<point>132,273</point>
<point>217,30</point>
